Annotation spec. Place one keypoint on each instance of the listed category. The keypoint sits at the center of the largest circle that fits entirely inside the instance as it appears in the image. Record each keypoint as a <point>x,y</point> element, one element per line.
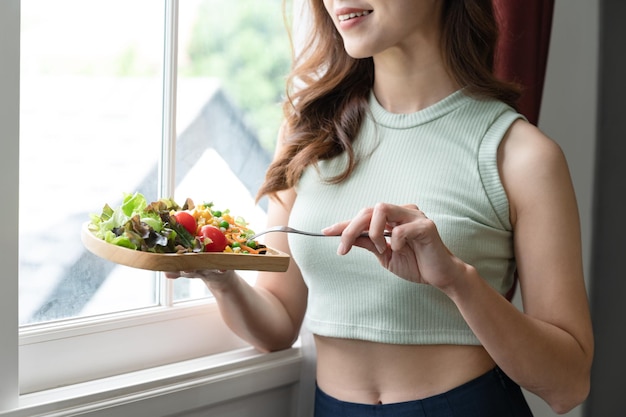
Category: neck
<point>408,83</point>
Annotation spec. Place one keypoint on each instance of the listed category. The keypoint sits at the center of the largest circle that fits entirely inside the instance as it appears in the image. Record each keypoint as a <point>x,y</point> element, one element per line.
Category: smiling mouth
<point>348,16</point>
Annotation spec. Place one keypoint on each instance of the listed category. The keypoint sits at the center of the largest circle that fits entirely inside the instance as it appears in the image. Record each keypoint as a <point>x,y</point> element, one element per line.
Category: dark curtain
<point>522,51</point>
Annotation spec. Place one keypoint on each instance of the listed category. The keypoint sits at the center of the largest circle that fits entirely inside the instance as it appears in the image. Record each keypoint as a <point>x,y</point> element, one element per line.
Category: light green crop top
<point>443,159</point>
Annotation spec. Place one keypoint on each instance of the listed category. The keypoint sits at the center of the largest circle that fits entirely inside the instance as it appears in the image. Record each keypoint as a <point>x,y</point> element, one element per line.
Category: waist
<point>491,394</point>
<point>375,373</point>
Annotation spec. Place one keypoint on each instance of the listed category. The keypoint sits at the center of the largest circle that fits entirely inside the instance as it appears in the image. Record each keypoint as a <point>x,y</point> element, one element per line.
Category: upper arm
<point>288,287</point>
<point>546,227</point>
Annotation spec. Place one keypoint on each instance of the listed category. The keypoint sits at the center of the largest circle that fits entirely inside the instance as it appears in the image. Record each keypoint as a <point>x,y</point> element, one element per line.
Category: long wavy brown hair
<point>327,91</point>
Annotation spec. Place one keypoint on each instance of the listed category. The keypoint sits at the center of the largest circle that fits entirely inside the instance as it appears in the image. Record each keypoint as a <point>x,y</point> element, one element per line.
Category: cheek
<point>328,5</point>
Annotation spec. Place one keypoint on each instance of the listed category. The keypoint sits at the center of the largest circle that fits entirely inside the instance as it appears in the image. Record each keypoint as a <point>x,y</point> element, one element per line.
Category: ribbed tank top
<point>441,158</point>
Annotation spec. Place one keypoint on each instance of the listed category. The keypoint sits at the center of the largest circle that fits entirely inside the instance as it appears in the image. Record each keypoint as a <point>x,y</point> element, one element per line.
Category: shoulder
<point>525,144</point>
<point>532,166</point>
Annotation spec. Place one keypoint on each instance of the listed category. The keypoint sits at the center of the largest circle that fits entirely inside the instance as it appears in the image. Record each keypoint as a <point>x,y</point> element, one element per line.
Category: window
<point>107,106</point>
<point>9,99</point>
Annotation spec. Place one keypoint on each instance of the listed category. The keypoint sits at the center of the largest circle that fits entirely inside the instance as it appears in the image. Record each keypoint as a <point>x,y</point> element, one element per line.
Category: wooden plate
<point>273,260</point>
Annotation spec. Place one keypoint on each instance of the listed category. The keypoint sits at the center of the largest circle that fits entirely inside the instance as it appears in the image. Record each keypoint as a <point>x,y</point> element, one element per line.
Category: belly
<point>375,373</point>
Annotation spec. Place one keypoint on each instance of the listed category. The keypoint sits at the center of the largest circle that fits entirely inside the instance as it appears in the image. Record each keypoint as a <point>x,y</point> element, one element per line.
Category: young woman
<point>395,123</point>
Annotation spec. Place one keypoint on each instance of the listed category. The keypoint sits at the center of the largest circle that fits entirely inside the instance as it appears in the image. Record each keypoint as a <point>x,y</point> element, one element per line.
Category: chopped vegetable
<point>213,238</point>
<point>165,227</point>
<point>187,221</point>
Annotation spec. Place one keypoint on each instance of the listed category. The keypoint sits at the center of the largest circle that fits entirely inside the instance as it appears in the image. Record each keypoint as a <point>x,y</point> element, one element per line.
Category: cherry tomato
<point>187,221</point>
<point>214,238</point>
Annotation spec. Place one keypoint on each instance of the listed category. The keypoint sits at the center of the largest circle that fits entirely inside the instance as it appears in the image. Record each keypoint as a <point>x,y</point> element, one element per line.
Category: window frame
<point>9,187</point>
<point>125,342</point>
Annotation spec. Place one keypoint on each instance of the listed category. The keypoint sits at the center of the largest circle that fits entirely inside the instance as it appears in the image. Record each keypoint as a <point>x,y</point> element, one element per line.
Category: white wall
<point>568,113</point>
<point>570,96</point>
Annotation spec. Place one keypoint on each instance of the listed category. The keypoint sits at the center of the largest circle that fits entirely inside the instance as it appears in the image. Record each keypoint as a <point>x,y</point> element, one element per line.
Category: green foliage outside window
<point>244,43</point>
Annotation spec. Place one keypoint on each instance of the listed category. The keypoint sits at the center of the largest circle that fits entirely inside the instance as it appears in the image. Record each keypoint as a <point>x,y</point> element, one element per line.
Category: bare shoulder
<point>525,147</point>
<point>533,168</point>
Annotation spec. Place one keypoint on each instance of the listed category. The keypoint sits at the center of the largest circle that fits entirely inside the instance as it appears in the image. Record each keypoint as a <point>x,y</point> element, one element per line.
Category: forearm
<point>254,314</point>
<point>542,357</point>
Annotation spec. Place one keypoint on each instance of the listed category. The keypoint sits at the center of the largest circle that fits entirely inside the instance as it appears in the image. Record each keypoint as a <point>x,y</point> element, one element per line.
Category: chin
<point>358,49</point>
<point>357,54</point>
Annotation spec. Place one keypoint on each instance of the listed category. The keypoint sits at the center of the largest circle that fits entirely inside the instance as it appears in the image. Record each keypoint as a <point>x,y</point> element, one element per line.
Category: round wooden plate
<point>273,260</point>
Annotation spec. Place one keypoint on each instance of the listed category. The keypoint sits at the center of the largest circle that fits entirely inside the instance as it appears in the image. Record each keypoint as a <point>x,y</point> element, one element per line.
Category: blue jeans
<point>491,395</point>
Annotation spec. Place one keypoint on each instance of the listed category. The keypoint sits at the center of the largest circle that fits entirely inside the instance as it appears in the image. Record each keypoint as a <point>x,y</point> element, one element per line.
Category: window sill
<point>68,354</point>
<point>229,375</point>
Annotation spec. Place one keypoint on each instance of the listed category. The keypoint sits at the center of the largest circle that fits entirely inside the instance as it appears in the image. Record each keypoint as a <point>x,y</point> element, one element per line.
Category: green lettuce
<point>137,224</point>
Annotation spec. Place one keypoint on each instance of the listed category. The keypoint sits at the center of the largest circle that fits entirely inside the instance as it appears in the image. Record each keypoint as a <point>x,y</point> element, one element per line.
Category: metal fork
<point>287,229</point>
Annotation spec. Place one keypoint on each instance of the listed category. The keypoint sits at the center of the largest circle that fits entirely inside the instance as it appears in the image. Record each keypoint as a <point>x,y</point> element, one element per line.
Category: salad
<point>164,226</point>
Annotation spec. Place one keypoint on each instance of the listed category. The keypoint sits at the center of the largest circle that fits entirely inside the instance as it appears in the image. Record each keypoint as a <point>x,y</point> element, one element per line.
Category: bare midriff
<point>376,373</point>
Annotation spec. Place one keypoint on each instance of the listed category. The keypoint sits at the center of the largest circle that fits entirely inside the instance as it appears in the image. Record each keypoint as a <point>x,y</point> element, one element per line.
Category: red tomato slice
<point>187,221</point>
<point>214,239</point>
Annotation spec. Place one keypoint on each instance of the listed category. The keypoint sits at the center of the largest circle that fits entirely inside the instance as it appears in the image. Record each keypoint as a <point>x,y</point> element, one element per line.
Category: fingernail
<point>381,248</point>
<point>341,250</point>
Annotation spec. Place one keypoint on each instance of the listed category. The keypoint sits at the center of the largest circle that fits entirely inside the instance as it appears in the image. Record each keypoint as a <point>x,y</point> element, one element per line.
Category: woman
<point>396,123</point>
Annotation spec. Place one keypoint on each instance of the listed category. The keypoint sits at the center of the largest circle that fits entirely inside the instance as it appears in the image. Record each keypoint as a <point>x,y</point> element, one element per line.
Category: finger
<point>205,274</point>
<point>353,230</point>
<point>208,273</point>
<point>379,224</point>
<point>422,231</point>
<point>335,229</point>
<point>366,243</point>
<point>410,207</point>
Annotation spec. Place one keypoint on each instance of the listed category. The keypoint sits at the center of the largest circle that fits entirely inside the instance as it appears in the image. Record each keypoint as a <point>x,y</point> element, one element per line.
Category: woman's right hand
<point>415,250</point>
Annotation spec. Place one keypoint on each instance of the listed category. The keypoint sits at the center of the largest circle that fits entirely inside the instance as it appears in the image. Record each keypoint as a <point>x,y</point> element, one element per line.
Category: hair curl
<point>327,90</point>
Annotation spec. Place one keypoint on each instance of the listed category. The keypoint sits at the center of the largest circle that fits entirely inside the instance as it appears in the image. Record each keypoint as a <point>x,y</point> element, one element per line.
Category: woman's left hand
<point>414,251</point>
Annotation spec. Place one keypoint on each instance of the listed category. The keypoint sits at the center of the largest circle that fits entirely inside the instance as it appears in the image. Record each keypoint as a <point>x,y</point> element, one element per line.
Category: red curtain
<point>522,51</point>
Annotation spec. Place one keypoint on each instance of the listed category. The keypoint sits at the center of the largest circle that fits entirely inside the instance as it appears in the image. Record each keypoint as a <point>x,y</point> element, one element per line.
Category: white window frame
<point>152,344</point>
<point>149,337</point>
<point>9,132</point>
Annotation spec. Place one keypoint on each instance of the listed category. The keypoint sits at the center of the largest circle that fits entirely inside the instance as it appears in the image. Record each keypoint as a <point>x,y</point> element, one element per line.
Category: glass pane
<point>90,130</point>
<point>233,60</point>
